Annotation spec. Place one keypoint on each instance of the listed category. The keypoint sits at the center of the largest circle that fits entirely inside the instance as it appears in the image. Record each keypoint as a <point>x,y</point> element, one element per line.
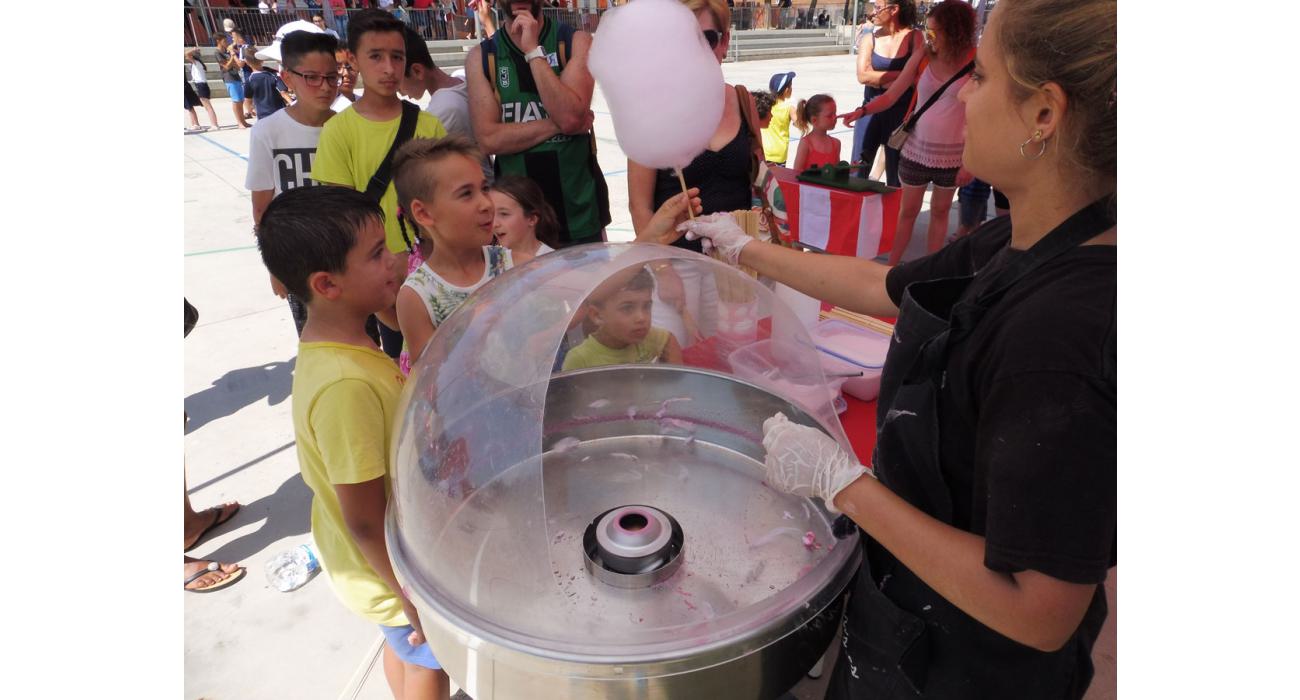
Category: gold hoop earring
<point>1042,146</point>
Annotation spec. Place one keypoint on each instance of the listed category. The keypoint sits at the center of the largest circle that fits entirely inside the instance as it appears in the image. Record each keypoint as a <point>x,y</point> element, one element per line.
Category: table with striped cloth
<point>838,221</point>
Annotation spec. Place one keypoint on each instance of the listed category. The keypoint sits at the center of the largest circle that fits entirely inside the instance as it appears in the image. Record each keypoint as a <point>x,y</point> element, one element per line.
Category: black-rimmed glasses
<point>712,36</point>
<point>314,79</point>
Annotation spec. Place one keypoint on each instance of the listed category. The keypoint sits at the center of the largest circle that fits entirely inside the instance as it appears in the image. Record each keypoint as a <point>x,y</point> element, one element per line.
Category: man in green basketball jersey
<point>530,105</point>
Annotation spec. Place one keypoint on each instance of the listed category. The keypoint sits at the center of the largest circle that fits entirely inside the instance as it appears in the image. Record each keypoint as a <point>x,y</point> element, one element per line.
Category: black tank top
<point>879,63</point>
<point>722,176</point>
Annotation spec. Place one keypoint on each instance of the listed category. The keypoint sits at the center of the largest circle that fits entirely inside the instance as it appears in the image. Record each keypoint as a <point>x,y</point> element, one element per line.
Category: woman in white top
<point>932,154</point>
<point>199,79</point>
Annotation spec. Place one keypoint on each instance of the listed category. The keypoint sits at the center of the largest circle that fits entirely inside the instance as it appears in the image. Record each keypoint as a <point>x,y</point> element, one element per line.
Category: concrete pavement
<point>251,641</point>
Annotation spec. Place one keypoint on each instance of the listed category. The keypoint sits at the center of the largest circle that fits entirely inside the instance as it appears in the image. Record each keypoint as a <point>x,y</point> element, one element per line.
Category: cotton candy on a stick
<point>660,79</point>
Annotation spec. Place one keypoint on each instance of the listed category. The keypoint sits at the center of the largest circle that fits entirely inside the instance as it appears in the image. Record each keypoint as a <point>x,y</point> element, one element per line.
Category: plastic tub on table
<point>855,346</point>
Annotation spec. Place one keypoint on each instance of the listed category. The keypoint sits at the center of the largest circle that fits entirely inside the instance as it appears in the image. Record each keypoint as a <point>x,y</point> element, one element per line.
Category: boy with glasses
<point>283,145</point>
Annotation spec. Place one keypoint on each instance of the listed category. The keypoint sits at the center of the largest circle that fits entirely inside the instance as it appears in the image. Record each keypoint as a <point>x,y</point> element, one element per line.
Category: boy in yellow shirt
<point>327,245</point>
<point>776,135</point>
<point>355,142</point>
<point>620,308</point>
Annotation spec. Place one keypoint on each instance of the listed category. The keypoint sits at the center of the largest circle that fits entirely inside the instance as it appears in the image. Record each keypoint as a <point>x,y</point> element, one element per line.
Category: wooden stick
<point>690,210</point>
<point>857,319</point>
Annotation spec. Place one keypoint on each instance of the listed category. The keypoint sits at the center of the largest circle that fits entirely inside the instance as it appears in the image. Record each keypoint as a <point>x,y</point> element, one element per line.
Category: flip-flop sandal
<point>216,522</point>
<point>211,567</point>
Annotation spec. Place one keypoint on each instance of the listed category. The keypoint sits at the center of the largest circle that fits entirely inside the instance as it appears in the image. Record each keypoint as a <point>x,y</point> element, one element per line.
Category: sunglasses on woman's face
<point>712,36</point>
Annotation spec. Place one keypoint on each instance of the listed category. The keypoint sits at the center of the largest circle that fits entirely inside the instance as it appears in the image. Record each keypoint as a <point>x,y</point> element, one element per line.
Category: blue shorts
<point>973,202</point>
<point>236,91</point>
<point>420,656</point>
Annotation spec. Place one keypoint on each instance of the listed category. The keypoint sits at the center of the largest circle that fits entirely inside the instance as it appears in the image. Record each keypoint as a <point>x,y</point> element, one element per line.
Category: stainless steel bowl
<point>503,589</point>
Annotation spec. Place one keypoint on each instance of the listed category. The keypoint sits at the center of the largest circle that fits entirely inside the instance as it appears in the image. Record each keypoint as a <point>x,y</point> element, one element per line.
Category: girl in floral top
<point>442,191</point>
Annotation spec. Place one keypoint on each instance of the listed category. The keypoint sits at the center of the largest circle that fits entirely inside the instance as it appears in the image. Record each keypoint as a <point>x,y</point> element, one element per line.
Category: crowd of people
<point>433,19</point>
<point>376,219</point>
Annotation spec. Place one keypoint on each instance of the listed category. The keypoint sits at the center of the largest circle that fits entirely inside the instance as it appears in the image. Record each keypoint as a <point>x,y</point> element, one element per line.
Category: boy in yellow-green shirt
<point>327,245</point>
<point>354,142</point>
<point>776,135</point>
<point>620,308</point>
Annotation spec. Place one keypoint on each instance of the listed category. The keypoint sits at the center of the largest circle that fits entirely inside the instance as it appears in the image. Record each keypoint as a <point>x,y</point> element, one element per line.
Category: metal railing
<point>203,23</point>
<point>761,17</point>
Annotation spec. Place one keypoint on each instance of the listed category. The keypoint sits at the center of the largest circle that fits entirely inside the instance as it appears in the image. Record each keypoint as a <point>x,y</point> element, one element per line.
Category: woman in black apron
<point>989,514</point>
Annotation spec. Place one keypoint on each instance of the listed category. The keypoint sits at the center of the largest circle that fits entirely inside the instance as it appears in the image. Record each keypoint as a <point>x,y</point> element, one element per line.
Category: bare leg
<point>940,206</point>
<point>907,213</point>
<point>238,109</point>
<point>194,117</point>
<point>394,673</point>
<point>194,566</point>
<point>212,113</point>
<point>194,526</point>
<point>248,108</point>
<point>878,164</point>
<point>426,684</point>
<point>196,523</point>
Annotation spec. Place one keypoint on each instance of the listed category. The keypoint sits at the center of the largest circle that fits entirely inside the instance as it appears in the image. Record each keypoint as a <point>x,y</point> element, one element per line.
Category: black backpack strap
<point>405,130</point>
<point>911,121</point>
<point>488,53</point>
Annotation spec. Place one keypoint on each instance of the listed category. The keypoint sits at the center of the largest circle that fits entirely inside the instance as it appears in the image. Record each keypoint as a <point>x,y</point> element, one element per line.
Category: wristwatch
<point>537,52</point>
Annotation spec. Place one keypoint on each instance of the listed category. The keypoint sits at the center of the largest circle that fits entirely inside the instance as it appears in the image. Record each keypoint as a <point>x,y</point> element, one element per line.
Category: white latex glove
<point>805,461</point>
<point>717,232</point>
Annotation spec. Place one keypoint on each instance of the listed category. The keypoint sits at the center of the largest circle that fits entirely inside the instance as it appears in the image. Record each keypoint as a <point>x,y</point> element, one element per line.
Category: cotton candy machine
<point>605,532</point>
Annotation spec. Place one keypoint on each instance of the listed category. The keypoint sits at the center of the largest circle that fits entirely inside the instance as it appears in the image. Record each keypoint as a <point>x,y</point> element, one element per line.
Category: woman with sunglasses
<point>932,154</point>
<point>988,515</point>
<point>722,174</point>
<point>882,56</point>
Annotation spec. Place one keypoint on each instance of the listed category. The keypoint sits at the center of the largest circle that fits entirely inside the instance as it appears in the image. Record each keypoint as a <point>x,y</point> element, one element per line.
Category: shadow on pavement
<point>287,513</point>
<point>239,388</point>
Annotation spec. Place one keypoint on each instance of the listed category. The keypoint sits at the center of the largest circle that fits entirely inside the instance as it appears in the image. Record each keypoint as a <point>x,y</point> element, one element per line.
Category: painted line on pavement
<point>220,250</point>
<point>224,148</point>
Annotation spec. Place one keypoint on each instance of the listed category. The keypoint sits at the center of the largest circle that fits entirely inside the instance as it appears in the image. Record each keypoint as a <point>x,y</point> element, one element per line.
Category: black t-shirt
<point>264,89</point>
<point>722,176</point>
<point>229,76</point>
<point>1027,413</point>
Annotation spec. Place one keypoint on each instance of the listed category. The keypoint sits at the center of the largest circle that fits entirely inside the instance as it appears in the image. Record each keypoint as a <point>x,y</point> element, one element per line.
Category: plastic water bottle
<point>292,568</point>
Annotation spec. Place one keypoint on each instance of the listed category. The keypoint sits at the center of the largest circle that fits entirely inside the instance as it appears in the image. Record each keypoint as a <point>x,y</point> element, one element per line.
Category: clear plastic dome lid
<point>578,465</point>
